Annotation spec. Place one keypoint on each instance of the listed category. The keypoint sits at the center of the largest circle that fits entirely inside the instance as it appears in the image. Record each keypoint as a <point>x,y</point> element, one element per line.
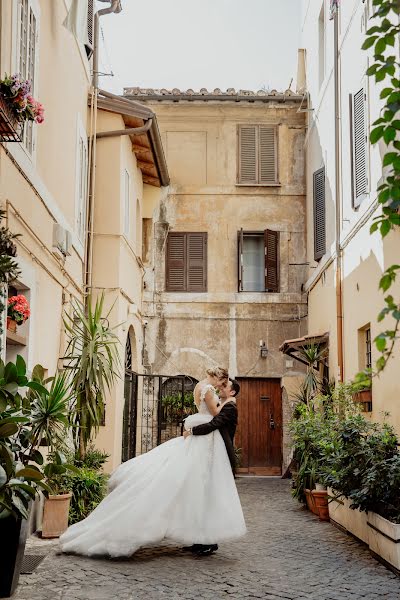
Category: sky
<point>244,44</point>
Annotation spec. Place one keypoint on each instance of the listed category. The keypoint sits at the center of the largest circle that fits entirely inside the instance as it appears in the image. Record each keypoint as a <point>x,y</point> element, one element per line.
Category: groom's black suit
<point>226,422</point>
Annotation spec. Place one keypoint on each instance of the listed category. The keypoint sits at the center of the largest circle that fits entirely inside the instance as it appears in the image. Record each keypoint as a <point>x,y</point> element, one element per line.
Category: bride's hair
<point>218,372</point>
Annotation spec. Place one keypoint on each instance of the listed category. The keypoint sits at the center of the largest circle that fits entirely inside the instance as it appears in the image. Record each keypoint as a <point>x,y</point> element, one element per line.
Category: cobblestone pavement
<point>288,554</point>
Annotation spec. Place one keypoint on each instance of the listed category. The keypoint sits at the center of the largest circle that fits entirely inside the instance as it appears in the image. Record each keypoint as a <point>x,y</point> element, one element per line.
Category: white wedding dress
<point>182,491</point>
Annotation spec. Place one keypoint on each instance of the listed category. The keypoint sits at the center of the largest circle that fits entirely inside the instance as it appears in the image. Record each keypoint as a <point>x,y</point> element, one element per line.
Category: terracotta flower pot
<point>311,505</point>
<point>55,515</point>
<point>321,503</point>
<point>11,325</point>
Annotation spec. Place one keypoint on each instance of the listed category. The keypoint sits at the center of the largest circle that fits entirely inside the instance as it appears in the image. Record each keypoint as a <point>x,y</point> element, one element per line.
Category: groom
<point>226,422</point>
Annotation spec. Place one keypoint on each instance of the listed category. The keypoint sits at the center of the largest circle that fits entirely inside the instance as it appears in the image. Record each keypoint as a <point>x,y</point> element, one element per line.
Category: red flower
<point>18,309</point>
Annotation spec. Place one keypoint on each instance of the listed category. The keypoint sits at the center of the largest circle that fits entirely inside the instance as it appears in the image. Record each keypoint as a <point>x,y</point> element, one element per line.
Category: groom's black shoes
<point>207,550</point>
<point>194,549</point>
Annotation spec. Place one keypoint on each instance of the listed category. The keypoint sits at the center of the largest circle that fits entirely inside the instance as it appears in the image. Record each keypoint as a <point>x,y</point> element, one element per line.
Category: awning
<point>290,347</point>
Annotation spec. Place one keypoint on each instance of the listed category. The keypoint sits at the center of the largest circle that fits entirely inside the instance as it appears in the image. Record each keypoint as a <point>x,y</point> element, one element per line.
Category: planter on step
<point>13,533</point>
<point>11,325</point>
<point>384,539</point>
<point>55,515</point>
<point>354,521</point>
<point>321,503</point>
<point>311,502</point>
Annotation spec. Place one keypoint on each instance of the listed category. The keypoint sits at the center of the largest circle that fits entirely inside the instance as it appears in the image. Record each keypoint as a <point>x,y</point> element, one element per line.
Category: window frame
<point>186,259</point>
<point>262,234</point>
<point>82,175</point>
<point>126,225</point>
<point>34,7</point>
<point>257,183</point>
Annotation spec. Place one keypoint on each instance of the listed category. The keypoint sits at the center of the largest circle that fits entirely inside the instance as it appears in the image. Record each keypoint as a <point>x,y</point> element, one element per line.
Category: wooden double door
<point>259,431</point>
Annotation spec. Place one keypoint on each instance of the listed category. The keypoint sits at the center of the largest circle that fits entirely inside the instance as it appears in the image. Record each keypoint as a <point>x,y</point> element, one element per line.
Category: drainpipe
<point>339,256</point>
<point>115,7</point>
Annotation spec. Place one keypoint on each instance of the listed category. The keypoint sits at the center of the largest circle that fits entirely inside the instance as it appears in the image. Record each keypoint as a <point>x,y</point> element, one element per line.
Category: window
<point>81,184</point>
<point>186,262</point>
<point>27,54</point>
<point>321,45</point>
<point>319,213</point>
<point>368,351</point>
<point>258,155</point>
<point>127,204</point>
<point>258,266</point>
<point>90,28</point>
<point>359,145</point>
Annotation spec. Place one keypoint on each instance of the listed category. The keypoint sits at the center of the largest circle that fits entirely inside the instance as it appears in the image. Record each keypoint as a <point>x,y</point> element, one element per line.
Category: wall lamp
<point>263,349</point>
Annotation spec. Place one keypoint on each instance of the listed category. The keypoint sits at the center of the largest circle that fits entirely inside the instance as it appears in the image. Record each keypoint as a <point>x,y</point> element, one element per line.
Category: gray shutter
<point>268,155</point>
<point>196,262</point>
<point>271,245</point>
<point>90,28</point>
<point>359,138</point>
<point>176,262</point>
<point>248,154</point>
<point>319,213</point>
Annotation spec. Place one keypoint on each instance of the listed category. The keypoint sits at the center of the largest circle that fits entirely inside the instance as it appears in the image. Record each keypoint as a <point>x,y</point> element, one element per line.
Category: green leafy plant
<point>175,407</point>
<point>312,355</point>
<point>382,37</point>
<point>88,488</point>
<point>91,359</point>
<point>9,270</point>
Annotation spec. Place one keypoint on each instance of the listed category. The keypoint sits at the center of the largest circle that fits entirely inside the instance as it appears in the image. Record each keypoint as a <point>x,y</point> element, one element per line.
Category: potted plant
<point>49,418</point>
<point>9,270</point>
<point>23,423</point>
<point>17,312</point>
<point>17,105</point>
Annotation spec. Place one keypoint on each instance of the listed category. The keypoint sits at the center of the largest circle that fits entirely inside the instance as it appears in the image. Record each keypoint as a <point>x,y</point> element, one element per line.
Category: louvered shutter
<point>90,28</point>
<point>176,262</point>
<point>359,143</point>
<point>240,260</point>
<point>267,155</point>
<point>271,243</point>
<point>197,262</point>
<point>248,154</point>
<point>319,213</point>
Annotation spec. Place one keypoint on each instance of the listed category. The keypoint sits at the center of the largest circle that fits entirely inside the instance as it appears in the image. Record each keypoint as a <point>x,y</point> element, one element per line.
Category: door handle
<point>271,422</point>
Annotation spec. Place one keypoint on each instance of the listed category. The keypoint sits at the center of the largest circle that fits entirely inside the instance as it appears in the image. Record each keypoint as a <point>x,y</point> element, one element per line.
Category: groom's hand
<point>186,434</point>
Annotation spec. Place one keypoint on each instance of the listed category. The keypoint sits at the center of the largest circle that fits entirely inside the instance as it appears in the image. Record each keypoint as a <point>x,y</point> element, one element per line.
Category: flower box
<point>364,397</point>
<point>353,521</point>
<point>384,539</point>
<point>11,130</point>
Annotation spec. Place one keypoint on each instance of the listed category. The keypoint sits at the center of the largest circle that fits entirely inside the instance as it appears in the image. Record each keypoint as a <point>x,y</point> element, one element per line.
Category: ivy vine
<point>383,36</point>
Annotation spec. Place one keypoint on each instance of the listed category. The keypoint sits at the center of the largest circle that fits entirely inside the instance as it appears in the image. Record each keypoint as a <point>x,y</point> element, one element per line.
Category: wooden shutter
<point>359,144</point>
<point>197,262</point>
<point>268,172</point>
<point>176,262</point>
<point>248,155</point>
<point>271,244</point>
<point>319,213</point>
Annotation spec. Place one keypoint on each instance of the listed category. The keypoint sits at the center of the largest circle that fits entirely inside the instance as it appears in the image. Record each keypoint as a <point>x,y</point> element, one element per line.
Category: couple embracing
<point>181,491</point>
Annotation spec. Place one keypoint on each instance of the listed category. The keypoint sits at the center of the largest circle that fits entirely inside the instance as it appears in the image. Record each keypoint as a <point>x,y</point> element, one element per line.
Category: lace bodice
<point>202,407</point>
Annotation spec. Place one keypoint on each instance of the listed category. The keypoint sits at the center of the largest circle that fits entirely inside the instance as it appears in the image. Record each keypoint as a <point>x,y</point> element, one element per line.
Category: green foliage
<point>336,445</point>
<point>174,409</point>
<point>94,459</point>
<point>8,266</point>
<point>385,67</point>
<point>91,359</point>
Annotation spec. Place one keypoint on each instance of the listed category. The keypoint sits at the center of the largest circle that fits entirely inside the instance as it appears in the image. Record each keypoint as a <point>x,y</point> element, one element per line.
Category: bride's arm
<point>211,401</point>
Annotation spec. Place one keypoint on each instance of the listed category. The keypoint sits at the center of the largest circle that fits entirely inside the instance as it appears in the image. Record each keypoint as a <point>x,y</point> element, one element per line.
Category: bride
<point>182,491</point>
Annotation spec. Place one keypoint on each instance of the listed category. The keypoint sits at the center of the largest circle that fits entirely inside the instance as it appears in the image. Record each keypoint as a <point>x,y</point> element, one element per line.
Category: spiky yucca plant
<point>92,360</point>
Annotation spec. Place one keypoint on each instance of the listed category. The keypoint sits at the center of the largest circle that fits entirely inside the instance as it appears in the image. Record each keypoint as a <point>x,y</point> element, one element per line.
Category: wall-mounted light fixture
<point>263,349</point>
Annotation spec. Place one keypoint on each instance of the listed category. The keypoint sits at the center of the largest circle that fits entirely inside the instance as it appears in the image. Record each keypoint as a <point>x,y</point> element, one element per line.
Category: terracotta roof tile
<point>164,94</point>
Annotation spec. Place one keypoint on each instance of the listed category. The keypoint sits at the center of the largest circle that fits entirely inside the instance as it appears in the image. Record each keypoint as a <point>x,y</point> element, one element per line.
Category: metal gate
<point>157,406</point>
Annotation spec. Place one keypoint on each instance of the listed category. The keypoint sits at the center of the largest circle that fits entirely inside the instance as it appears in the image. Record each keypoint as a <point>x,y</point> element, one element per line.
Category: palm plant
<point>92,359</point>
<point>312,355</point>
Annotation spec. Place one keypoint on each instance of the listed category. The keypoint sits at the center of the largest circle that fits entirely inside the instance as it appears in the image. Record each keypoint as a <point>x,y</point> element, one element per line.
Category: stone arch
<point>190,361</point>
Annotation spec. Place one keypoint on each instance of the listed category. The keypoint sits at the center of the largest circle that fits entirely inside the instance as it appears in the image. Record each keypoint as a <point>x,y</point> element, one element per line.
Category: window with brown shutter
<point>258,155</point>
<point>258,261</point>
<point>319,213</point>
<point>186,262</point>
<point>359,146</point>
